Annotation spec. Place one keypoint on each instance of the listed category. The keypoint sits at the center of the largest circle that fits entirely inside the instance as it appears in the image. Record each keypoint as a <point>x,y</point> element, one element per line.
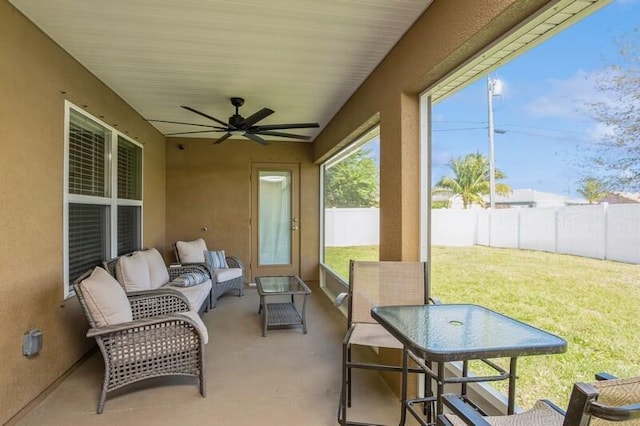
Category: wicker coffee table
<point>282,314</point>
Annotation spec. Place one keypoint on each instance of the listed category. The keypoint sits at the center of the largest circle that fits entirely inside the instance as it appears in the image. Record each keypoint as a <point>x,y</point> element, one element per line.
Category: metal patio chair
<point>376,283</point>
<point>597,404</point>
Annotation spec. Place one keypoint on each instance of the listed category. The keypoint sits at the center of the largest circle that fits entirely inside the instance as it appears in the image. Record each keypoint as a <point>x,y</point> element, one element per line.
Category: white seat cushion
<point>191,251</point>
<point>199,323</point>
<point>227,274</point>
<point>133,272</point>
<point>105,299</point>
<point>158,275</point>
<point>197,294</point>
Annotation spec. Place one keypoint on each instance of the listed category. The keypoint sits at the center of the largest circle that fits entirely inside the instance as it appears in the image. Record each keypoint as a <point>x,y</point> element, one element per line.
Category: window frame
<point>111,180</point>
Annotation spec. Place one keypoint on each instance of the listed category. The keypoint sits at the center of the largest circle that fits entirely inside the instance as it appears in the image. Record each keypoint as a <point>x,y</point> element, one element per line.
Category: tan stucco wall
<point>208,186</point>
<point>33,72</point>
<point>448,34</point>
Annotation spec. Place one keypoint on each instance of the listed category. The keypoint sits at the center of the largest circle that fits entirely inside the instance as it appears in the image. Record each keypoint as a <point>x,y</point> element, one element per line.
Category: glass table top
<point>453,332</point>
<point>281,285</point>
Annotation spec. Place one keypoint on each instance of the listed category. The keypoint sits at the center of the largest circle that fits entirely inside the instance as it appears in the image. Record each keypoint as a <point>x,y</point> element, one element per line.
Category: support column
<point>400,179</point>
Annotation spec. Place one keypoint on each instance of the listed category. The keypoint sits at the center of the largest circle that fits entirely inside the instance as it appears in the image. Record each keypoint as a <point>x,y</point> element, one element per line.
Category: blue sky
<point>540,108</point>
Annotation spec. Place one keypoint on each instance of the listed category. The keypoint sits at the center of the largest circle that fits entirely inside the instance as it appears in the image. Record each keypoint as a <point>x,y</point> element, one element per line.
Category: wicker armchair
<point>161,337</point>
<point>598,403</point>
<point>224,280</point>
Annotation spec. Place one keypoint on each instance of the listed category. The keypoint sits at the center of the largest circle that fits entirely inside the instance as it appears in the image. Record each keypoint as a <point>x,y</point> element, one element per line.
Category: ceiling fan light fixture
<point>236,132</point>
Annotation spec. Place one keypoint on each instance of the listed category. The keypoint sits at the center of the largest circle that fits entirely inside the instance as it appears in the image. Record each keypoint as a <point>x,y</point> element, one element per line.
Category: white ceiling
<point>301,58</point>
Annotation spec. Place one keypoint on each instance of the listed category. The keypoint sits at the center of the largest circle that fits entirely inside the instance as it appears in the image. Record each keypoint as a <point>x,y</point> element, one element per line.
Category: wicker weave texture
<point>282,314</point>
<point>156,303</point>
<point>166,344</point>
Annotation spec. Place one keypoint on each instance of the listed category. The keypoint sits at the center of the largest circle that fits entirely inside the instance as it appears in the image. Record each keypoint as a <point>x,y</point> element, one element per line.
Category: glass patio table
<point>282,314</point>
<point>442,333</point>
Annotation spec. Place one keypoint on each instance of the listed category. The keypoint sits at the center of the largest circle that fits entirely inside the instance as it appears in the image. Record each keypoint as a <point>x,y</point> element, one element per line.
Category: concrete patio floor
<point>286,378</point>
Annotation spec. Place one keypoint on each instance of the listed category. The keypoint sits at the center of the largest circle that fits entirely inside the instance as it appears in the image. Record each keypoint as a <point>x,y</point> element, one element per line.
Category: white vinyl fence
<point>606,231</point>
<point>351,227</point>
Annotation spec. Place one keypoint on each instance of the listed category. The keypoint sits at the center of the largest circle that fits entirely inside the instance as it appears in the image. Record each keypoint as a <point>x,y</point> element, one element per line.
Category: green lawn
<point>593,304</point>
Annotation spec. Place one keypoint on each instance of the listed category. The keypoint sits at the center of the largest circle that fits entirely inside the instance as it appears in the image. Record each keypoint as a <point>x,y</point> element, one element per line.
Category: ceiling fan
<point>247,127</point>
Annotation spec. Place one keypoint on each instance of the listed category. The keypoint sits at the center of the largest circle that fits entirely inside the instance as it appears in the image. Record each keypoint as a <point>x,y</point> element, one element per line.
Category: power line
<point>547,128</point>
<point>458,129</point>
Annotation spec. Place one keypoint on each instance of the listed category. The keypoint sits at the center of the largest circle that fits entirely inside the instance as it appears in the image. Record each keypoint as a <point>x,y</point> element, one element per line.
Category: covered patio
<point>191,188</point>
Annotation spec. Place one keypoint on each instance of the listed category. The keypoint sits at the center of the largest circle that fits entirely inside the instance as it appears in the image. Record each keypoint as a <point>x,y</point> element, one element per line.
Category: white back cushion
<point>191,251</point>
<point>133,272</point>
<point>158,275</point>
<point>106,300</point>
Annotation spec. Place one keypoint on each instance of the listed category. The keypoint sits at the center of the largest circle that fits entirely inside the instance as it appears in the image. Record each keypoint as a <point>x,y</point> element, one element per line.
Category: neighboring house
<point>533,198</point>
<point>526,198</point>
<point>620,198</point>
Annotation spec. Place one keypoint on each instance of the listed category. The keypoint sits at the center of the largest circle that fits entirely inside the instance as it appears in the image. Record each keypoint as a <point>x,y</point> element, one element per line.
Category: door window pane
<point>274,239</point>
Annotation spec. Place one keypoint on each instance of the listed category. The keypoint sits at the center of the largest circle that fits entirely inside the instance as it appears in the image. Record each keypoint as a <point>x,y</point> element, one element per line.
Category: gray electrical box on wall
<point>32,343</point>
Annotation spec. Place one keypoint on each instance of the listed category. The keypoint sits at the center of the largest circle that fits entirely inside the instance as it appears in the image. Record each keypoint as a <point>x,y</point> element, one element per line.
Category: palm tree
<point>592,189</point>
<point>471,180</point>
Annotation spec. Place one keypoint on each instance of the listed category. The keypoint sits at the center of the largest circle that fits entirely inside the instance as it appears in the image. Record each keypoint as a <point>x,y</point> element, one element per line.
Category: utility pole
<point>494,88</point>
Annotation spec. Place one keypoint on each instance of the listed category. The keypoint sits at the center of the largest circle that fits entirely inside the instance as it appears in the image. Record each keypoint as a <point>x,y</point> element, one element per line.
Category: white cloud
<point>568,98</point>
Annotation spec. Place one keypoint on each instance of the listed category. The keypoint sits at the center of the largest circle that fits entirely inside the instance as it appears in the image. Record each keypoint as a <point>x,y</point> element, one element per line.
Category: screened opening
<point>350,198</point>
<point>511,225</point>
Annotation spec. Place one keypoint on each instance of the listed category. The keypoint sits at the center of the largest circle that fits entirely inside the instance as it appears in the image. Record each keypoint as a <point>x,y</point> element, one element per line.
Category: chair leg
<point>203,385</point>
<point>342,406</point>
<point>348,381</point>
<point>103,395</point>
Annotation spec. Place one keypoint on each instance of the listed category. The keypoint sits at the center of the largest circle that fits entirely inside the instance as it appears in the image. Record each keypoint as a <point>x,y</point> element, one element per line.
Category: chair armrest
<point>140,324</point>
<point>435,301</point>
<point>153,303</point>
<point>625,393</point>
<point>464,411</point>
<point>605,376</point>
<point>551,404</point>
<point>136,340</point>
<point>615,413</point>
<point>235,262</point>
<point>340,298</point>
<point>347,336</point>
<point>176,271</point>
